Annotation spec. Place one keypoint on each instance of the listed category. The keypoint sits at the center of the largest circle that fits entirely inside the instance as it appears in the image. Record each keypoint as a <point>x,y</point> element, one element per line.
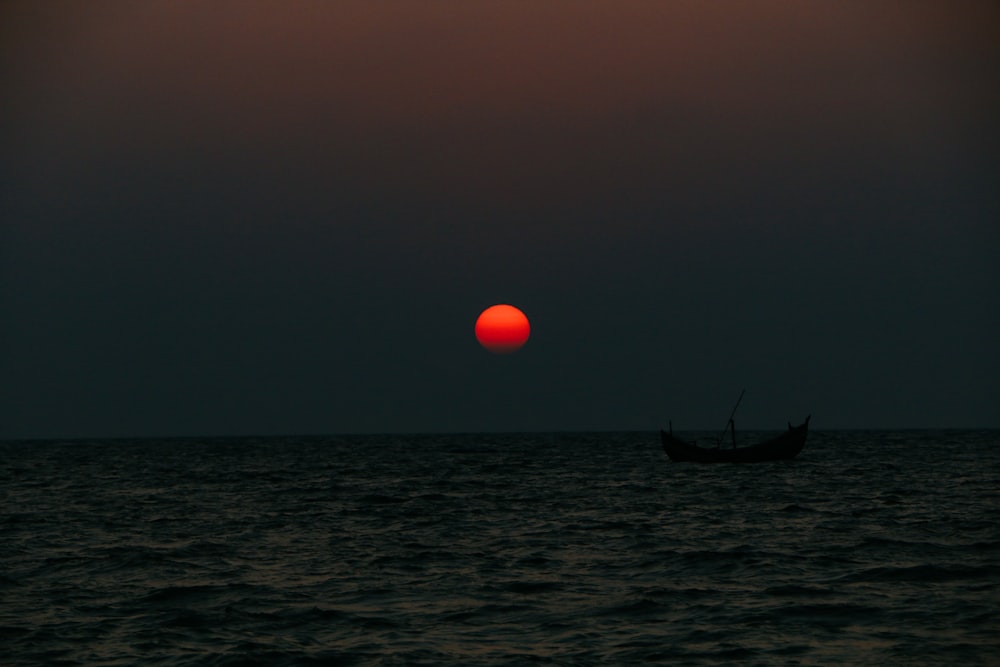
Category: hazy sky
<point>285,217</point>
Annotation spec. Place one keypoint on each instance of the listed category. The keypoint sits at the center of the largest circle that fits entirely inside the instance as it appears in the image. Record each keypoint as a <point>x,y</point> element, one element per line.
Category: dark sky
<point>285,217</point>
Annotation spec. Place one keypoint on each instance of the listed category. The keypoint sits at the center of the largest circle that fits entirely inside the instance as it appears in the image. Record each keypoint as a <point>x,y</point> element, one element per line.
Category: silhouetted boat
<point>785,446</point>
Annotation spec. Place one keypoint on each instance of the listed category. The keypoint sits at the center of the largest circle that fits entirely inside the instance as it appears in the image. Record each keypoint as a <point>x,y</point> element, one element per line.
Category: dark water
<point>573,549</point>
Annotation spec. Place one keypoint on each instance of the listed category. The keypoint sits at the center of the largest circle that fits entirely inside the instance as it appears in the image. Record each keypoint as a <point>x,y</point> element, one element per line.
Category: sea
<point>871,548</point>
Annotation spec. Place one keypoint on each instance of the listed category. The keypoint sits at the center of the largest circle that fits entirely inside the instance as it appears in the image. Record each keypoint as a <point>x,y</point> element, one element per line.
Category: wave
<point>922,574</point>
<point>548,549</point>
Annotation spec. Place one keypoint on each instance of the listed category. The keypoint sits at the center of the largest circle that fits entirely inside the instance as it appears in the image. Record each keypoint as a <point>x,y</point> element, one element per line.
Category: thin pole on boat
<point>731,424</point>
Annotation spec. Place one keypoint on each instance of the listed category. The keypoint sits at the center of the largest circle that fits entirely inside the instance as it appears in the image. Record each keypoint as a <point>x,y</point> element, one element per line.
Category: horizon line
<point>350,434</point>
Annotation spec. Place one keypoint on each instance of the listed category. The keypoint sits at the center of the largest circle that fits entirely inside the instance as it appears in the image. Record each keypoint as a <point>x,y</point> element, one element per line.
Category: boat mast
<point>732,424</point>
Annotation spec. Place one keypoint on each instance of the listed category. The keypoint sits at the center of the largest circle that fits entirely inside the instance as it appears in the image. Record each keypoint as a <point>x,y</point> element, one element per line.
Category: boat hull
<point>783,447</point>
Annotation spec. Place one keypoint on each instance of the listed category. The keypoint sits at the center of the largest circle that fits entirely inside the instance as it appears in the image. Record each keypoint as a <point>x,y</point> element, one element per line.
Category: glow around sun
<point>502,329</point>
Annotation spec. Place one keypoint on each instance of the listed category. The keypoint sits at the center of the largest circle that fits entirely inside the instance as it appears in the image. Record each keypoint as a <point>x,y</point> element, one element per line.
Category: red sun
<point>502,329</point>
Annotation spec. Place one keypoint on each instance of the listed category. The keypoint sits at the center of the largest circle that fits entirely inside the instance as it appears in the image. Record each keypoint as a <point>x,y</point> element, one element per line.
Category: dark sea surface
<point>566,549</point>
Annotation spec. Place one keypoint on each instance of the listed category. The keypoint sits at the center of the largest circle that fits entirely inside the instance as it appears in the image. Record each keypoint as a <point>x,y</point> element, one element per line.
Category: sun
<point>502,329</point>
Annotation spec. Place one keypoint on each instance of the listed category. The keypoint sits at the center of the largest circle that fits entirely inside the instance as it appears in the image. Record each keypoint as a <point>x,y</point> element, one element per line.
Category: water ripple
<point>499,549</point>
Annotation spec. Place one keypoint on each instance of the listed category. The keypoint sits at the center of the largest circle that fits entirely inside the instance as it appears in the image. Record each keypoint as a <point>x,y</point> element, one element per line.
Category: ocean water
<point>564,549</point>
